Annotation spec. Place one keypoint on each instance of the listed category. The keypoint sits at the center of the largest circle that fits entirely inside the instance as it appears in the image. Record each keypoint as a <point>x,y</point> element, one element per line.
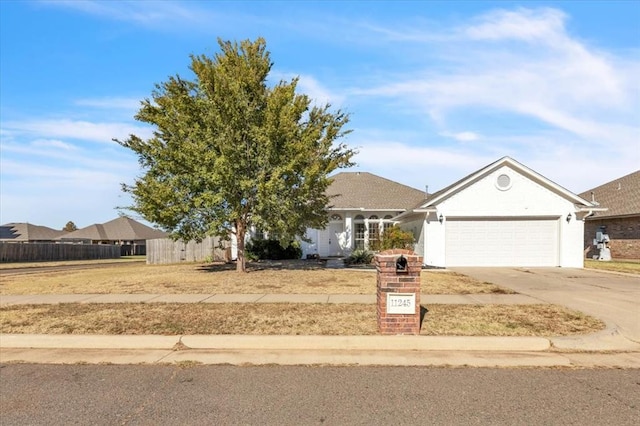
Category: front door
<point>335,235</point>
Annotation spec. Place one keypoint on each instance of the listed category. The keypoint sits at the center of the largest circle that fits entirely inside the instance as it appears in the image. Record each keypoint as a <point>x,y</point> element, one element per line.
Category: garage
<point>502,242</point>
<point>504,214</point>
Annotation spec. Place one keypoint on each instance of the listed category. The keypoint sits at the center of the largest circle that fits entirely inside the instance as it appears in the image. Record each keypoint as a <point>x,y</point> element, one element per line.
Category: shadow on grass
<point>423,313</point>
<point>268,265</point>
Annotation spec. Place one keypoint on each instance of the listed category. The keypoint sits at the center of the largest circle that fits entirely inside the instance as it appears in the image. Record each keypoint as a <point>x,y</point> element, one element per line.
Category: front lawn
<point>302,277</point>
<point>287,319</point>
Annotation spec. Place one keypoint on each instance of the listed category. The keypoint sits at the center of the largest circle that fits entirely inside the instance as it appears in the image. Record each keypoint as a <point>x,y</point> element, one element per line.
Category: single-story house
<point>132,236</point>
<point>621,220</point>
<point>362,206</point>
<point>28,233</point>
<point>504,214</point>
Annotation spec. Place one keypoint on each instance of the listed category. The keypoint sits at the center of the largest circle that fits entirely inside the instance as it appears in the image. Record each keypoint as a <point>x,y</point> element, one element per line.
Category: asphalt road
<point>274,395</point>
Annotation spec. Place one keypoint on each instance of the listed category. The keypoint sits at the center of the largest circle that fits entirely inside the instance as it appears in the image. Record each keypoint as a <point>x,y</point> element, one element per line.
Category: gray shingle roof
<point>120,229</point>
<point>621,196</point>
<point>23,232</point>
<point>362,190</point>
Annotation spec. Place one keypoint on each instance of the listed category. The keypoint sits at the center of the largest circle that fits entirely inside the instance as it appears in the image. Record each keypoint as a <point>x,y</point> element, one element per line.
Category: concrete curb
<point>608,339</point>
<point>434,351</point>
<point>286,342</point>
<point>370,343</point>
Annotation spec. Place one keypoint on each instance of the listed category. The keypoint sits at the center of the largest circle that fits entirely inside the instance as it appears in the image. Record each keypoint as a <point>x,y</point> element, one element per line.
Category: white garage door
<point>480,242</point>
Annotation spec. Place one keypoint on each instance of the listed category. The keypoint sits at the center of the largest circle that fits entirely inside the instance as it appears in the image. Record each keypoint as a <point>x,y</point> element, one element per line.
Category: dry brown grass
<point>626,266</point>
<point>507,320</point>
<point>303,277</point>
<point>291,319</point>
<point>54,263</point>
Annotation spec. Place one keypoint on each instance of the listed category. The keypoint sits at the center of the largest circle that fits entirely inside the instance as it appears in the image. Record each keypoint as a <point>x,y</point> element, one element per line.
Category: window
<point>359,235</point>
<point>374,233</point>
<point>503,182</point>
<point>336,217</point>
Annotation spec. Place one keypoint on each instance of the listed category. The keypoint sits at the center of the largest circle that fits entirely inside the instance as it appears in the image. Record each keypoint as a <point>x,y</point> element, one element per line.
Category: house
<point>504,214</point>
<point>28,233</point>
<point>621,220</point>
<point>123,231</point>
<point>362,206</point>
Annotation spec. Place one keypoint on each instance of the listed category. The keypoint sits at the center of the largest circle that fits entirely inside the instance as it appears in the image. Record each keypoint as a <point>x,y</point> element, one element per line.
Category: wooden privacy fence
<point>166,250</point>
<point>36,252</point>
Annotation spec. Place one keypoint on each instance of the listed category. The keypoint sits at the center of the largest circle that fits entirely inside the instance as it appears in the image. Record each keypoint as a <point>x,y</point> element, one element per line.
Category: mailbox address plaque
<point>401,303</point>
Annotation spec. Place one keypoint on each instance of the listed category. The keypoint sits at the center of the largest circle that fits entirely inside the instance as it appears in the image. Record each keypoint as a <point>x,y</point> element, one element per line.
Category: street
<point>203,395</point>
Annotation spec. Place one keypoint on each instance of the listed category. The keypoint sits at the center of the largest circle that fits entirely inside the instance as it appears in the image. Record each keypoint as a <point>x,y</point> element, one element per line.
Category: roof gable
<point>366,191</point>
<point>469,180</point>
<point>620,196</point>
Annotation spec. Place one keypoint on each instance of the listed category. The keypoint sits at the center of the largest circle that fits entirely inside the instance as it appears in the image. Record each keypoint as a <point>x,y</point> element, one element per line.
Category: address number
<point>401,303</point>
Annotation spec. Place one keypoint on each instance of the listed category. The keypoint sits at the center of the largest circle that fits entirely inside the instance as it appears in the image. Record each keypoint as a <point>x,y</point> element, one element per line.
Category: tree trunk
<point>240,233</point>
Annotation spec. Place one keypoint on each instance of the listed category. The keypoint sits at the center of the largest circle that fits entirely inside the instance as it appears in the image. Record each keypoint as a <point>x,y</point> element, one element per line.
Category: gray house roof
<point>24,232</point>
<point>621,196</point>
<point>120,229</point>
<point>362,190</point>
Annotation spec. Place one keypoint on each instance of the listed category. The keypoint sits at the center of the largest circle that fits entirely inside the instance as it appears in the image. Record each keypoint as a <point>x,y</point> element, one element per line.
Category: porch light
<point>569,218</point>
<point>441,218</point>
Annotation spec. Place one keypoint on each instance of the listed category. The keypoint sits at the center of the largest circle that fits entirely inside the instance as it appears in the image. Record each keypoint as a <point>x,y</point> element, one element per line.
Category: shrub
<point>394,238</point>
<point>359,257</point>
<point>263,249</point>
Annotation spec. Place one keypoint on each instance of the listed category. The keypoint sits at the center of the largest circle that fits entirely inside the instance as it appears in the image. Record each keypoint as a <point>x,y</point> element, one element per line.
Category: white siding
<point>520,212</point>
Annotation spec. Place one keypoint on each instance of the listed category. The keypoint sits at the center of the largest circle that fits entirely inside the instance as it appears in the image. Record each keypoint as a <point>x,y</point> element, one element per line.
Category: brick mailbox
<point>398,291</point>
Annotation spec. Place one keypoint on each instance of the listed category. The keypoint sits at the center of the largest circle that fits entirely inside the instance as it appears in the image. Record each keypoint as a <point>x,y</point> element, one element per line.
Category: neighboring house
<point>504,214</point>
<point>28,233</point>
<point>132,236</point>
<point>361,206</point>
<point>621,220</point>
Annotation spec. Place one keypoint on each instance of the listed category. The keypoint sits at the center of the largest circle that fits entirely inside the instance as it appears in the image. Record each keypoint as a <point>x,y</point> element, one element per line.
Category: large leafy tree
<point>230,152</point>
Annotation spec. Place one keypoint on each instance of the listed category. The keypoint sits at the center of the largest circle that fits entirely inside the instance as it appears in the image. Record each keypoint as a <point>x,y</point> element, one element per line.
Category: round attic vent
<point>503,182</point>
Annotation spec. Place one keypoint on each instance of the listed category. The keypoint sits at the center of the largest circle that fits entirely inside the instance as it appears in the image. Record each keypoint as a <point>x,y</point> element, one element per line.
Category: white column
<point>348,229</point>
<point>366,234</point>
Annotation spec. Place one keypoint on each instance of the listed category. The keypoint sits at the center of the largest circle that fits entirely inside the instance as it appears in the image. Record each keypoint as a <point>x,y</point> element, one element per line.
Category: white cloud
<point>111,103</point>
<point>319,94</point>
<point>523,24</point>
<point>312,87</point>
<point>461,136</point>
<point>53,143</point>
<point>523,67</point>
<point>418,166</point>
<point>156,14</point>
<point>75,129</point>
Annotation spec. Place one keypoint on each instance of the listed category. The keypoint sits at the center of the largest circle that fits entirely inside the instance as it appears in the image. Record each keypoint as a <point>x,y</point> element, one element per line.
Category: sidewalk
<point>433,299</point>
<point>604,349</point>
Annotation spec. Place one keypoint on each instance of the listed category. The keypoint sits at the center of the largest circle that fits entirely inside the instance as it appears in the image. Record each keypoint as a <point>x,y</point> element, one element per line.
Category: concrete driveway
<point>613,298</point>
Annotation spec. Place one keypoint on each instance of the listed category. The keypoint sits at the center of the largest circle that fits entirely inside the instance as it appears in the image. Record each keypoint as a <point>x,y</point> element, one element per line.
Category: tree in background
<point>394,237</point>
<point>229,152</point>
<point>70,227</point>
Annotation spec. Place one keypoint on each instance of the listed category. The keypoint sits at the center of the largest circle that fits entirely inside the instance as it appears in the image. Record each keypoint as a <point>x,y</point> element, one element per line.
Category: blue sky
<point>436,90</point>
